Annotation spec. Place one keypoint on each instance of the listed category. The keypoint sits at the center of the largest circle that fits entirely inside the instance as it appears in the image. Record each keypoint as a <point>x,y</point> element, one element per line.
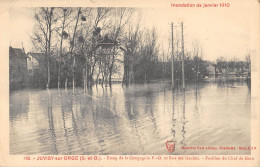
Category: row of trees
<point>73,45</point>
<point>80,43</point>
<point>233,65</point>
<point>83,45</point>
<point>195,66</point>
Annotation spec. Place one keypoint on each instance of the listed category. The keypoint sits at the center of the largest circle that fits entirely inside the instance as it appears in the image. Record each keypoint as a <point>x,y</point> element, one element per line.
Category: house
<point>17,68</point>
<point>36,69</point>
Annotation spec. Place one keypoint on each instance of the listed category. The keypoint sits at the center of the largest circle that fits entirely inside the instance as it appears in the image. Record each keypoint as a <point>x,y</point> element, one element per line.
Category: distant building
<point>17,68</point>
<point>36,69</point>
<point>239,69</point>
<point>210,69</point>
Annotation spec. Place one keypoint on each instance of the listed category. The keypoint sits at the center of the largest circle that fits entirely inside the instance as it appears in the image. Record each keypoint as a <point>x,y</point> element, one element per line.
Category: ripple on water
<point>134,120</point>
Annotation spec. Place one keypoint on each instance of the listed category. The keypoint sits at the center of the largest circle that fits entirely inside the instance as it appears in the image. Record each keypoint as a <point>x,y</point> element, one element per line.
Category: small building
<point>104,47</point>
<point>17,68</point>
<point>36,69</point>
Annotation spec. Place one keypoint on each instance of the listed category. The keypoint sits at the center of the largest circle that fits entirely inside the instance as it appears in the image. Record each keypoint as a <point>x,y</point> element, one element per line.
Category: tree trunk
<point>49,74</point>
<point>103,77</point>
<point>49,47</point>
<point>72,46</point>
<point>97,78</point>
<point>88,76</point>
<point>106,78</point>
<point>111,68</point>
<point>59,77</point>
<point>97,81</point>
<point>84,79</point>
<point>61,42</point>
<point>131,73</point>
<point>73,73</point>
<point>66,83</point>
<point>110,76</point>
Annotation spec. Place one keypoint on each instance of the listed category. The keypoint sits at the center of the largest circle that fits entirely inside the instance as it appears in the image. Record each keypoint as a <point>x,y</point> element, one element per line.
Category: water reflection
<point>183,120</point>
<point>137,119</point>
<point>64,126</point>
<point>173,119</point>
<point>51,125</point>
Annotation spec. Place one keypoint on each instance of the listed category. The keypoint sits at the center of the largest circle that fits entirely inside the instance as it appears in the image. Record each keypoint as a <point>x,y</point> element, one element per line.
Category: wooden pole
<point>183,76</point>
<point>172,59</point>
<point>163,66</point>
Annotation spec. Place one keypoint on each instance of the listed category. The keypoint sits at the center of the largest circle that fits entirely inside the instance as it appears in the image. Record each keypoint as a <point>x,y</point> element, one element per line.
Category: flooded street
<point>138,119</point>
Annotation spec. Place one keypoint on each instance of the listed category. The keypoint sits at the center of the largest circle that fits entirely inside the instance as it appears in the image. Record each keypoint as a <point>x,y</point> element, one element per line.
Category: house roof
<point>17,52</point>
<point>106,43</point>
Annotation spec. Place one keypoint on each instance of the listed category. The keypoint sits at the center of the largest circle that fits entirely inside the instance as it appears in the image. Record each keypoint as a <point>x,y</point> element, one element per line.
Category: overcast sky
<point>228,32</point>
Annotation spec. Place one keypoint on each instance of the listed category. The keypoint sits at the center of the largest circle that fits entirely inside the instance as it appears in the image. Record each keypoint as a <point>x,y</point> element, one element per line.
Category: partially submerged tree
<point>45,20</point>
<point>65,14</point>
<point>131,46</point>
<point>121,17</point>
<point>149,52</point>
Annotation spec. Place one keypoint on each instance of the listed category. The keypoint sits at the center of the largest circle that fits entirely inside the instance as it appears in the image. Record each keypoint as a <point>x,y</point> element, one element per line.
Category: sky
<point>228,32</point>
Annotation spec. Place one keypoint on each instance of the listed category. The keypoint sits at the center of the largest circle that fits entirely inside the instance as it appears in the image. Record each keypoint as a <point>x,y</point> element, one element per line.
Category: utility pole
<point>172,60</point>
<point>198,64</point>
<point>183,77</point>
<point>163,66</point>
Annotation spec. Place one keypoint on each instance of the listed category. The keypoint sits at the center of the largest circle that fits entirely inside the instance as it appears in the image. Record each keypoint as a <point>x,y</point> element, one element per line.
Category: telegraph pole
<point>183,77</point>
<point>172,60</point>
<point>163,66</point>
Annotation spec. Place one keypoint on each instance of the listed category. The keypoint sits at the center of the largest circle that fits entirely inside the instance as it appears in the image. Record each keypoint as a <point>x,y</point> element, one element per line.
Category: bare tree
<point>131,46</point>
<point>65,14</point>
<point>197,60</point>
<point>43,32</point>
<point>149,50</point>
<point>101,21</point>
<point>72,44</point>
<point>121,17</point>
<point>91,36</point>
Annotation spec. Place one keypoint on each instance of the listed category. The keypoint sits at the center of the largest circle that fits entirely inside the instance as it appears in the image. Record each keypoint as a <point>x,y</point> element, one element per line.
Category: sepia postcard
<point>129,83</point>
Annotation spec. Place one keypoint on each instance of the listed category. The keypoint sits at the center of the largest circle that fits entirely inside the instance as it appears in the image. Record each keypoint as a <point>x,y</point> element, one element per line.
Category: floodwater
<point>138,119</point>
